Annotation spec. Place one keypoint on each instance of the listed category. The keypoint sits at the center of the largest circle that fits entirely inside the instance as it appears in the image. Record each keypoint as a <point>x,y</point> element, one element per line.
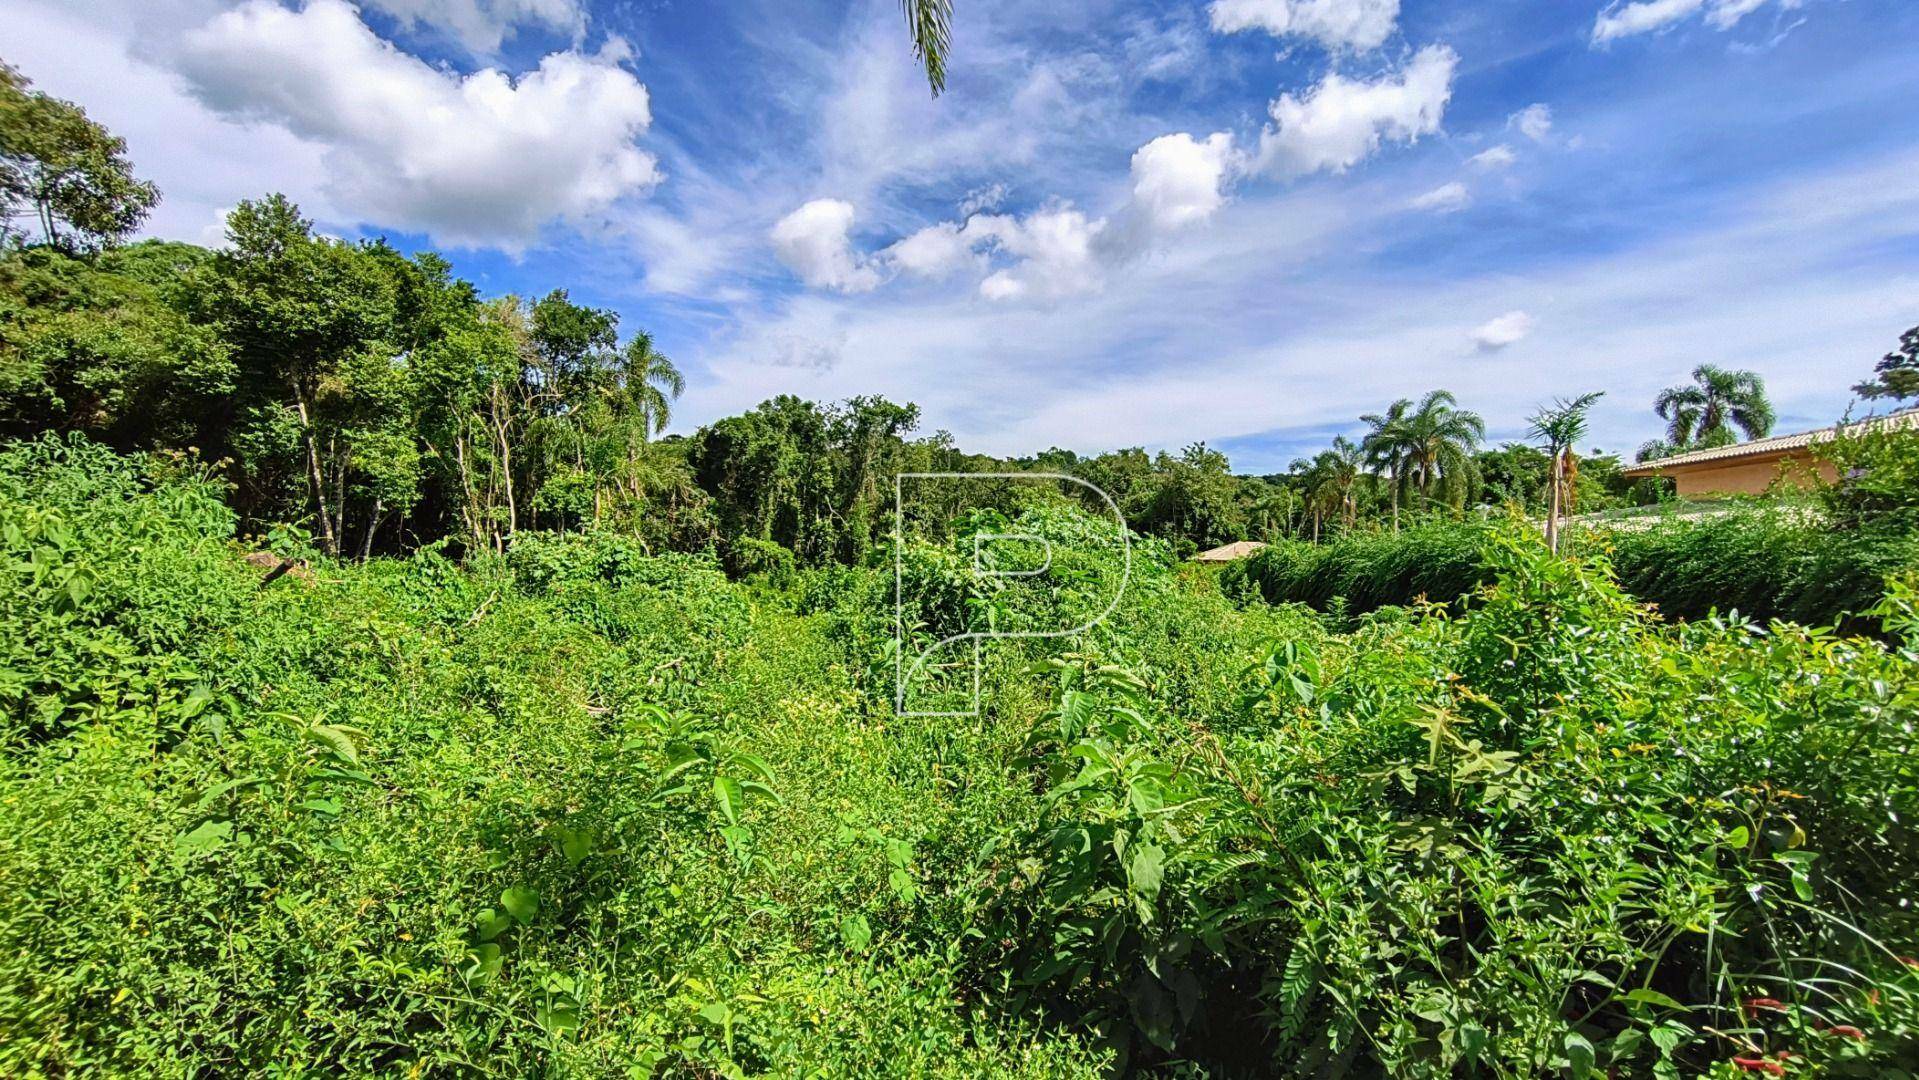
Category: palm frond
<point>930,23</point>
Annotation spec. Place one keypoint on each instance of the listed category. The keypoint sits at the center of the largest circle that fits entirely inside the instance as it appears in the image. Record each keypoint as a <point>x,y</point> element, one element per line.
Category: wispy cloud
<point>1444,199</point>
<point>1656,16</point>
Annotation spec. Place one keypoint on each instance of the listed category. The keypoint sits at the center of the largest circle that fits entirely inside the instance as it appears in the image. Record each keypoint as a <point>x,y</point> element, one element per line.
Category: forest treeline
<point>366,400</point>
<point>383,404</point>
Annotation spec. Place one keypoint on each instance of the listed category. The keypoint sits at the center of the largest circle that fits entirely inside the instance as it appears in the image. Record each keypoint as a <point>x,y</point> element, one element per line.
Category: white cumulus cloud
<point>1341,122</point>
<point>481,25</point>
<point>1501,331</point>
<point>814,243</point>
<point>1055,251</point>
<point>1179,180</point>
<point>1336,24</point>
<point>1444,199</point>
<point>471,160</point>
<point>937,251</point>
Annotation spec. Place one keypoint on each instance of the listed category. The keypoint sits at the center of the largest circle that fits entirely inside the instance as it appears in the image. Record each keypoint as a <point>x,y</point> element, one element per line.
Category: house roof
<point>1238,549</point>
<point>1777,444</point>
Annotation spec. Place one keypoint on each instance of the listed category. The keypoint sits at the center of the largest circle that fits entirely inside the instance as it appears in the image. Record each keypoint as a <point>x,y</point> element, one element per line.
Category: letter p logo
<point>1005,585</point>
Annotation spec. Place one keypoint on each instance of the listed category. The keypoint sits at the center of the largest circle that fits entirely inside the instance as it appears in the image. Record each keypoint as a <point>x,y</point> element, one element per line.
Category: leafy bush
<point>1437,558</point>
<point>1878,486</point>
<point>601,814</point>
<point>1552,835</point>
<point>1764,560</point>
<point>751,557</point>
<point>582,811</point>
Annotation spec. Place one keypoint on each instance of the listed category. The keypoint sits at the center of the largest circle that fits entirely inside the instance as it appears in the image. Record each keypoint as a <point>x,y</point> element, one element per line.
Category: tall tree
<point>1705,413</point>
<point>1897,375</point>
<point>1330,481</point>
<point>297,309</point>
<point>1437,439</point>
<point>69,172</point>
<point>1388,447</point>
<point>107,344</point>
<point>650,384</point>
<point>1559,426</point>
<point>1194,497</point>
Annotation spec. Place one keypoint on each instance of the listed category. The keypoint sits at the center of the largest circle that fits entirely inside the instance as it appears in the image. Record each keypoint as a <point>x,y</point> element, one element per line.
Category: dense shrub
<point>599,815</point>
<point>1548,837</point>
<point>584,812</point>
<point>1438,559</point>
<point>1878,486</point>
<point>1762,559</point>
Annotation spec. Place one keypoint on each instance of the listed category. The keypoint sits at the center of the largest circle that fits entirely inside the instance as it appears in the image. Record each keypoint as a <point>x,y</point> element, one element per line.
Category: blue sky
<point>1244,222</point>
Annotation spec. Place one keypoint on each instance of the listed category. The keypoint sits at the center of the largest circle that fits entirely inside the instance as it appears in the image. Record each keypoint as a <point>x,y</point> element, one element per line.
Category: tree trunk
<point>372,523</point>
<point>1552,509</point>
<point>341,464</point>
<point>316,480</point>
<point>506,467</point>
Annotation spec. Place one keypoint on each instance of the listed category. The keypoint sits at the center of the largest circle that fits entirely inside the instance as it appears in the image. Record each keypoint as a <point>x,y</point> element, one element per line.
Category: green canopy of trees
<point>70,174</point>
<point>379,402</point>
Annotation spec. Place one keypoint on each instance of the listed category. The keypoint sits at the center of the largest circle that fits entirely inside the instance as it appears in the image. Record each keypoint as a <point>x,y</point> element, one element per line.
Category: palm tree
<point>652,383</point>
<point>930,23</point>
<point>1330,482</point>
<point>1386,448</point>
<point>1437,440</point>
<point>1272,509</point>
<point>1719,400</point>
<point>1560,425</point>
<point>1654,449</point>
<point>640,398</point>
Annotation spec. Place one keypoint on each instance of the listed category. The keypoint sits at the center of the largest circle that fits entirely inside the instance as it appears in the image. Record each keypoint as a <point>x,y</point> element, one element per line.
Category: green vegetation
<point>1819,562</point>
<point>1896,376</point>
<point>583,810</point>
<point>70,173</point>
<point>540,742</point>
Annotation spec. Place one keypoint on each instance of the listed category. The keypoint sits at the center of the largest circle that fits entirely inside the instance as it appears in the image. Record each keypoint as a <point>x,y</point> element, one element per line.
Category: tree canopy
<point>69,173</point>
<point>1719,400</point>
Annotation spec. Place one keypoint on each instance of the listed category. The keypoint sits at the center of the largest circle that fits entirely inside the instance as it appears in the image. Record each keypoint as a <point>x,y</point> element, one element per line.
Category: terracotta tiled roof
<point>1908,418</point>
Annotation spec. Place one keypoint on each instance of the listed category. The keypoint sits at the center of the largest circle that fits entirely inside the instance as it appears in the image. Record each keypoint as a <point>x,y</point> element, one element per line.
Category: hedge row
<point>1763,561</point>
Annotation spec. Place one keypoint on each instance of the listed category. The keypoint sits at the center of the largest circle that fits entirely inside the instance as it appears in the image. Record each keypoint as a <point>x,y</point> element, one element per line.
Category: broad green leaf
<point>726,791</point>
<point>559,1018</point>
<point>1579,1055</point>
<point>482,963</point>
<point>576,845</point>
<point>492,924</point>
<point>1647,996</point>
<point>208,836</point>
<point>856,932</point>
<point>521,902</point>
<point>1145,870</point>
